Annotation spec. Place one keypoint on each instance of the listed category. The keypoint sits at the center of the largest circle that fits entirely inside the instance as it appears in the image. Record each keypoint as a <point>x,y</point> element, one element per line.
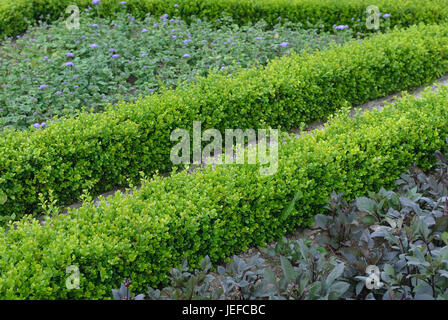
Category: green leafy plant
<point>309,275</point>
<point>218,211</point>
<point>101,151</point>
<point>408,245</point>
<point>17,16</point>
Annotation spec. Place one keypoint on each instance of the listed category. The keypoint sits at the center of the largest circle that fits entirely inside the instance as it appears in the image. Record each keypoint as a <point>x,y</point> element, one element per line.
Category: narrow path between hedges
<point>374,104</point>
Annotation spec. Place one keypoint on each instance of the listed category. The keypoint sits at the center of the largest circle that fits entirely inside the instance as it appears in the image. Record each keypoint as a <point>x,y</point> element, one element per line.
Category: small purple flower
<point>174,37</point>
<point>145,67</point>
<point>123,3</point>
<point>341,27</point>
<point>59,93</point>
<point>155,24</point>
<point>69,64</point>
<point>115,56</point>
<point>36,125</point>
<point>176,5</point>
<point>70,54</point>
<point>43,86</point>
<point>187,41</point>
<point>94,46</point>
<point>284,44</point>
<point>186,55</point>
<point>258,38</point>
<point>45,58</point>
<point>164,16</point>
<point>94,25</point>
<point>144,30</point>
<point>43,124</point>
<point>76,86</point>
<point>199,20</point>
<point>143,54</point>
<point>96,2</point>
<point>32,99</point>
<point>386,15</point>
<point>112,50</point>
<point>151,90</point>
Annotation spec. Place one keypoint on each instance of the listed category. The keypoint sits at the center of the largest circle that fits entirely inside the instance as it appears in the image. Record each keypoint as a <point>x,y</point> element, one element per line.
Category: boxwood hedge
<point>97,152</point>
<point>217,212</point>
<point>16,16</point>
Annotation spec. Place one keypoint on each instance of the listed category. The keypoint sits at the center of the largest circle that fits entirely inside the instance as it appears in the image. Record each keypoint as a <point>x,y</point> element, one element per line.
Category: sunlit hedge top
<point>16,15</point>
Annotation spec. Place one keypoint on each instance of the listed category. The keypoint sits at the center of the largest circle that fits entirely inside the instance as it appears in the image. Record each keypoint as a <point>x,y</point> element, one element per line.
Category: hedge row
<point>218,212</point>
<point>15,16</point>
<point>97,152</point>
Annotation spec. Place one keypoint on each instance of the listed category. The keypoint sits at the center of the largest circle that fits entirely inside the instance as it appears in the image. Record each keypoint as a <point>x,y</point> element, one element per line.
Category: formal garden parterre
<point>317,61</point>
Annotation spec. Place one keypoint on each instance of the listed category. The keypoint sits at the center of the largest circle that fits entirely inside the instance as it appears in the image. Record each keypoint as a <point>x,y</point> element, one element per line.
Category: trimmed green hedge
<point>218,212</point>
<point>15,16</point>
<point>97,152</point>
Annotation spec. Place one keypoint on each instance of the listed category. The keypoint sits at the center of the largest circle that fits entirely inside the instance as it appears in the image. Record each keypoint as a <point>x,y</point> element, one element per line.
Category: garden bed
<point>51,71</point>
<point>143,68</point>
<point>190,216</point>
<point>99,151</point>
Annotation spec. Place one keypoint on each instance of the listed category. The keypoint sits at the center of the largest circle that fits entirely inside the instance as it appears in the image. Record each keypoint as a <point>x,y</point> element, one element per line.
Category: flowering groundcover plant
<point>52,71</point>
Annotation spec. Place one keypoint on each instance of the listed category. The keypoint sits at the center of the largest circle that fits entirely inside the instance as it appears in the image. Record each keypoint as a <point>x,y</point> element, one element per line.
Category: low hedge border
<point>16,16</point>
<point>98,152</point>
<point>218,212</point>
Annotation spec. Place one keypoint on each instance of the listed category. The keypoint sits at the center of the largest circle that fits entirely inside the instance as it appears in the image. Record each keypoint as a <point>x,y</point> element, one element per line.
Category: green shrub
<point>97,152</point>
<point>15,16</point>
<point>402,233</point>
<point>218,212</point>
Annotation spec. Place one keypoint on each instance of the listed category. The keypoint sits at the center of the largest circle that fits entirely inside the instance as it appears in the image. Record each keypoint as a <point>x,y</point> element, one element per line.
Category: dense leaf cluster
<point>16,16</point>
<point>218,211</point>
<point>404,233</point>
<point>98,152</point>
